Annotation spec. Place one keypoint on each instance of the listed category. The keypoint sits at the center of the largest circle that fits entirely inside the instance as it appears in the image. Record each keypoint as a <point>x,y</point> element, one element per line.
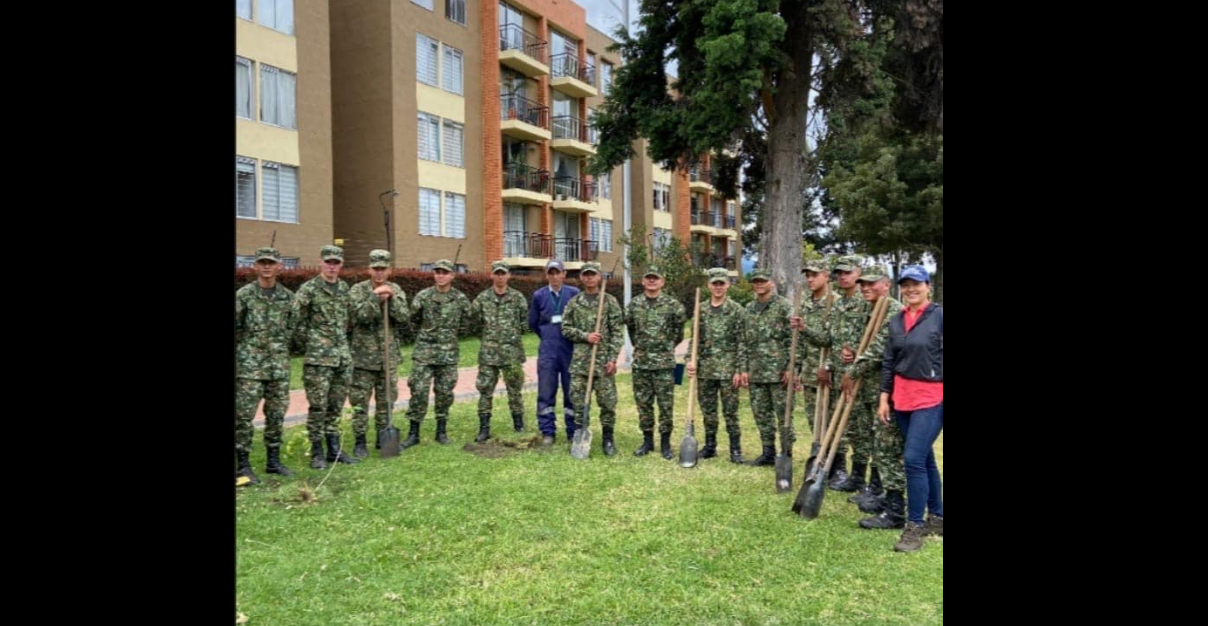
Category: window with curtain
<point>245,187</point>
<point>277,15</point>
<point>606,186</point>
<point>454,144</point>
<point>427,52</point>
<point>453,70</point>
<point>280,187</point>
<point>243,88</point>
<point>429,212</point>
<point>455,215</point>
<point>243,8</point>
<point>278,93</point>
<point>428,137</point>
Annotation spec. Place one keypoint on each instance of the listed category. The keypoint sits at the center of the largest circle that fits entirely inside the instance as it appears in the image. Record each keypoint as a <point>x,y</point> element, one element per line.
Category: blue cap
<point>916,273</point>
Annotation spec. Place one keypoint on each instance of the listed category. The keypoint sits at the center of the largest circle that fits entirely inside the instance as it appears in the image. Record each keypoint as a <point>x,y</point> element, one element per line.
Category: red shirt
<point>909,394</point>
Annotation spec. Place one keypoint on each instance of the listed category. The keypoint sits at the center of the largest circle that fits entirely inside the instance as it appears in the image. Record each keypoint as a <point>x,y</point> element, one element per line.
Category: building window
<point>662,237</point>
<point>426,58</point>
<point>662,197</point>
<point>243,88</point>
<point>243,8</point>
<point>245,187</point>
<point>429,212</point>
<point>428,137</point>
<point>601,233</point>
<point>277,15</point>
<point>427,4</point>
<point>455,10</point>
<point>455,215</point>
<point>278,104</point>
<point>454,144</point>
<point>452,71</point>
<point>605,77</point>
<point>606,186</point>
<point>280,187</point>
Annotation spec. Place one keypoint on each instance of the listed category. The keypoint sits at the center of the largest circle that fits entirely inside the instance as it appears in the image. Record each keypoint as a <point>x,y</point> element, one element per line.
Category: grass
<point>442,536</point>
<point>467,357</point>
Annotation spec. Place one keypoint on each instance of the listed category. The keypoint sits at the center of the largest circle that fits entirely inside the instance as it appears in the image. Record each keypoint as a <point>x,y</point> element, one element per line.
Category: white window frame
<point>251,88</point>
<point>446,53</point>
<point>427,4</point>
<point>297,192</point>
<point>451,226</point>
<point>250,11</point>
<point>278,72</point>
<point>255,191</point>
<point>447,151</point>
<point>425,121</point>
<point>420,212</point>
<point>276,15</point>
<point>427,43</point>
<point>449,4</point>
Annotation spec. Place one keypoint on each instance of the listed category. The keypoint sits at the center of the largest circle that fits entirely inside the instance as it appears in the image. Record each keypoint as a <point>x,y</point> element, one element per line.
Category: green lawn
<point>467,357</point>
<point>442,536</point>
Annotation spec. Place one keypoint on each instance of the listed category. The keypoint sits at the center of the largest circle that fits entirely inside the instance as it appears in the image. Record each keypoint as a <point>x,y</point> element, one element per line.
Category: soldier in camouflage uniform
<point>501,314</point>
<point>367,298</point>
<point>656,326</point>
<point>721,328</point>
<point>887,444</point>
<point>578,325</point>
<point>814,313</point>
<point>262,335</point>
<point>439,315</point>
<point>848,315</point>
<point>764,359</point>
<point>322,324</point>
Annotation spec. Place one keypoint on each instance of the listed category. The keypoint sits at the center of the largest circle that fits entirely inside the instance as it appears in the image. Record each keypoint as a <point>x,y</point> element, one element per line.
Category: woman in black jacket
<point>912,376</point>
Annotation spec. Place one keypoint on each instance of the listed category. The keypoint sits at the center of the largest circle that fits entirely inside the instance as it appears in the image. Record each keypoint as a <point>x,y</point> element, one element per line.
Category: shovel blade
<point>580,447</point>
<point>814,493</point>
<point>687,451</point>
<point>784,473</point>
<point>813,458</point>
<point>389,439</point>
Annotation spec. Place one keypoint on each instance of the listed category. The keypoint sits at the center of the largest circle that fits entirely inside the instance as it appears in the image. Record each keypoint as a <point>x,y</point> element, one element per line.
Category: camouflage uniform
<point>887,444</point>
<point>764,349</point>
<point>321,324</point>
<point>814,313</point>
<point>262,336</point>
<point>655,328</point>
<point>438,319</point>
<point>721,331</point>
<point>366,344</point>
<point>845,327</point>
<point>579,320</point>
<point>503,320</point>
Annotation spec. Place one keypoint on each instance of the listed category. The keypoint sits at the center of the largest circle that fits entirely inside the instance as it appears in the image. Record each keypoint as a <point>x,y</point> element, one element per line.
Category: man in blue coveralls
<point>553,357</point>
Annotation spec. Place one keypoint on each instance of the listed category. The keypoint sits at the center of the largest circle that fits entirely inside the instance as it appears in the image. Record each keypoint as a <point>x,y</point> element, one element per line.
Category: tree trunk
<point>937,289</point>
<point>780,247</point>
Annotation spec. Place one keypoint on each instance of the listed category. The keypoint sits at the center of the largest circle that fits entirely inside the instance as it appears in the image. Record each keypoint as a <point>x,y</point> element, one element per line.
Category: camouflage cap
<point>379,258</point>
<point>331,252</point>
<point>443,264</point>
<point>591,267</point>
<point>268,254</point>
<point>718,275</point>
<point>873,273</point>
<point>762,273</point>
<point>500,266</point>
<point>848,263</point>
<point>653,270</point>
<point>815,265</point>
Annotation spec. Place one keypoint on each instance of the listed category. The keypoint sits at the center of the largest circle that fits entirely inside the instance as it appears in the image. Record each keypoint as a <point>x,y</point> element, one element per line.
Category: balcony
<point>573,77</point>
<point>575,250</point>
<point>522,51</point>
<point>575,195</point>
<point>573,136</point>
<point>533,249</point>
<point>524,184</point>
<point>698,179</point>
<point>730,222</point>
<point>523,119</point>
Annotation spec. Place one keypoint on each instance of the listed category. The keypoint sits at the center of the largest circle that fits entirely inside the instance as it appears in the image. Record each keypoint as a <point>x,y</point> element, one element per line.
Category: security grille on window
<point>452,72</point>
<point>429,212</point>
<point>427,52</point>
<point>278,105</point>
<point>245,187</point>
<point>454,139</point>
<point>428,136</point>
<point>280,187</point>
<point>243,87</point>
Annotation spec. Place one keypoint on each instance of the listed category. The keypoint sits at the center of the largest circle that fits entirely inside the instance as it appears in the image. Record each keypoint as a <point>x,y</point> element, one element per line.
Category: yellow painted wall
<point>265,45</point>
<point>270,143</point>
<point>450,106</point>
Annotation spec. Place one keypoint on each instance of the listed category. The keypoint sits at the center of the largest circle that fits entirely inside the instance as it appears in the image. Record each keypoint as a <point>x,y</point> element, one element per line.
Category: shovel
<point>784,460</point>
<point>687,451</point>
<point>388,436</point>
<point>580,447</point>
